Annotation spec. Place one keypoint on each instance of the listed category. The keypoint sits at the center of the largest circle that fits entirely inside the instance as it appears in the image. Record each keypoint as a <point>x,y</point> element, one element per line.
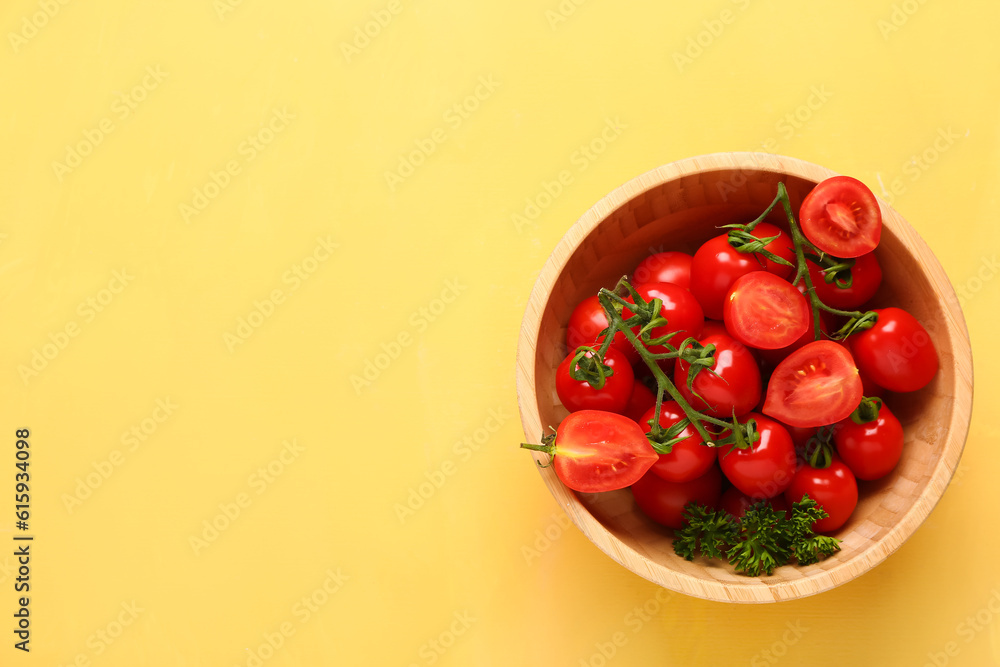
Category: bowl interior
<point>677,208</point>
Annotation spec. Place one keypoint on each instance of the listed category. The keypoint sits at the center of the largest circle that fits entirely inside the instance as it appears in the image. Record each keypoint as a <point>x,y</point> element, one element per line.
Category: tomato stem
<point>608,300</point>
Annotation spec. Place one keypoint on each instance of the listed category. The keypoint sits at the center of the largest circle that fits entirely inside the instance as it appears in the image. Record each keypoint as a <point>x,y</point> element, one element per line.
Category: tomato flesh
<point>599,451</point>
<point>841,217</point>
<point>766,312</point>
<point>816,385</point>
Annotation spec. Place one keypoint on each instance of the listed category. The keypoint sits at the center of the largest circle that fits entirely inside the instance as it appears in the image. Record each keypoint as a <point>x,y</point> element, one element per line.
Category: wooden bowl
<point>677,207</point>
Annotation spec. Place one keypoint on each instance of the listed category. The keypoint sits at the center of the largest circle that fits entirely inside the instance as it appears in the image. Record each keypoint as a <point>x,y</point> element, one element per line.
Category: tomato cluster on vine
<point>749,371</point>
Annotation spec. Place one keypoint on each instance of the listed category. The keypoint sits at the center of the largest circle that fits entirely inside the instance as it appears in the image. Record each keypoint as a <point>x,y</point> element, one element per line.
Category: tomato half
<point>664,501</point>
<point>681,310</point>
<point>841,217</point>
<point>764,311</point>
<point>816,385</point>
<point>588,320</point>
<point>897,353</point>
<point>612,397</point>
<point>834,489</point>
<point>866,276</point>
<point>665,267</point>
<point>736,385</point>
<point>689,458</point>
<point>599,451</point>
<point>766,468</point>
<point>716,266</point>
<point>870,450</point>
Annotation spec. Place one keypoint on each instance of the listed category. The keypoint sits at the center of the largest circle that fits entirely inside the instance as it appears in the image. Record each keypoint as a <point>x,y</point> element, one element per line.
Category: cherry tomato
<point>736,503</point>
<point>588,320</point>
<point>834,489</point>
<point>716,266</point>
<point>764,311</point>
<point>800,435</point>
<point>713,327</point>
<point>868,386</point>
<point>814,386</point>
<point>866,276</point>
<point>612,397</point>
<point>766,468</point>
<point>841,217</point>
<point>689,459</point>
<point>600,451</point>
<point>664,501</point>
<point>870,450</point>
<point>665,267</point>
<point>640,402</point>
<point>897,353</point>
<point>736,386</point>
<point>681,310</point>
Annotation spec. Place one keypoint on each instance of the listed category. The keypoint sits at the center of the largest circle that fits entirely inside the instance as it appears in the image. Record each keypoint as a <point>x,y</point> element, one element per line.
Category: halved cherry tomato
<point>816,385</point>
<point>841,217</point>
<point>689,458</point>
<point>640,402</point>
<point>834,489</point>
<point>735,386</point>
<point>588,320</point>
<point>766,468</point>
<point>866,276</point>
<point>681,310</point>
<point>612,397</point>
<point>775,357</point>
<point>664,501</point>
<point>600,451</point>
<point>897,353</point>
<point>736,503</point>
<point>665,267</point>
<point>764,311</point>
<point>716,266</point>
<point>870,450</point>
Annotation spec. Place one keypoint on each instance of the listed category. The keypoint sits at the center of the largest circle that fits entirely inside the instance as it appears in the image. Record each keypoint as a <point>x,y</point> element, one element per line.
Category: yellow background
<point>432,271</point>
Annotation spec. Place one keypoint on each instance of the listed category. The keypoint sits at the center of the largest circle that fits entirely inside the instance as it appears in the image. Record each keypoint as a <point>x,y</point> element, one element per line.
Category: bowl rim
<point>753,590</point>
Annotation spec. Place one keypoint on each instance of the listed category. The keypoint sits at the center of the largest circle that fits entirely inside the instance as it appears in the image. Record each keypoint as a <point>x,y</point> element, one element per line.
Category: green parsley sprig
<point>759,542</point>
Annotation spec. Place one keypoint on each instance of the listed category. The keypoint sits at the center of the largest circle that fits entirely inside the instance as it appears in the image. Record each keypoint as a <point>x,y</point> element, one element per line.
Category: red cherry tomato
<point>664,501</point>
<point>800,435</point>
<point>690,458</point>
<point>814,386</point>
<point>640,402</point>
<point>766,468</point>
<point>588,320</point>
<point>866,276</point>
<point>870,450</point>
<point>665,267</point>
<point>834,489</point>
<point>897,353</point>
<point>736,386</point>
<point>599,451</point>
<point>736,503</point>
<point>713,327</point>
<point>716,266</point>
<point>841,217</point>
<point>612,397</point>
<point>764,311</point>
<point>681,310</point>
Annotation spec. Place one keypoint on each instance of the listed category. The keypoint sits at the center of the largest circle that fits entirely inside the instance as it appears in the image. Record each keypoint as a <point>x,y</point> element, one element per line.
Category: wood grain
<point>677,207</point>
